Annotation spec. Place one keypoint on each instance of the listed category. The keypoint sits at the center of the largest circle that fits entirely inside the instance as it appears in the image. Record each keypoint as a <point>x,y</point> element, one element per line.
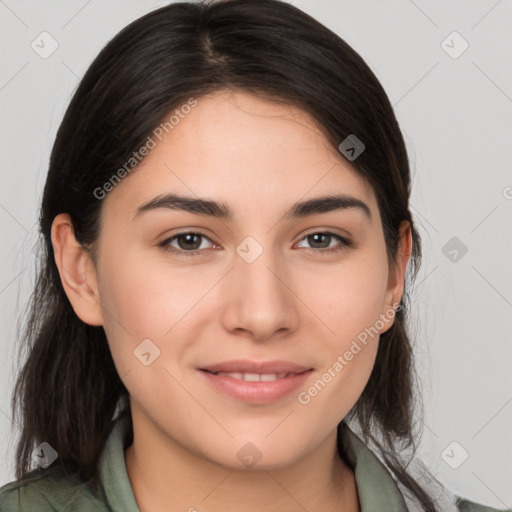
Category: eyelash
<point>345,243</point>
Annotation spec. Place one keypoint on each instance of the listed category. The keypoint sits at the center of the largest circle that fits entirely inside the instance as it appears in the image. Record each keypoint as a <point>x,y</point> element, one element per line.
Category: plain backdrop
<point>454,106</point>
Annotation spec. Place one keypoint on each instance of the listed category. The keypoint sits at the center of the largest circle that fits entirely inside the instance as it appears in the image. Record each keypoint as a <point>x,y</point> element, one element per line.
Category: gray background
<point>456,117</point>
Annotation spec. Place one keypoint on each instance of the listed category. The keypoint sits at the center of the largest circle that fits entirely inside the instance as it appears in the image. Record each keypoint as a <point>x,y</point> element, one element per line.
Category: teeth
<point>270,376</point>
<point>255,377</point>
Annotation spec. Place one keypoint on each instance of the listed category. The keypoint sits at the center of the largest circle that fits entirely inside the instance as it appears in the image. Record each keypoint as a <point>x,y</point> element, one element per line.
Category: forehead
<point>240,149</point>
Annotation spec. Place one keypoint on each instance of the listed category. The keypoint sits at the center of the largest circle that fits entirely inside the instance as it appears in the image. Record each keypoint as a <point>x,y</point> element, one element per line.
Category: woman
<point>188,351</point>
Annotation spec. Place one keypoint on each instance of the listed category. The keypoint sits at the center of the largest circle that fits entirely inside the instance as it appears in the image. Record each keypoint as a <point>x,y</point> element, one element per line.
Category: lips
<point>245,366</point>
<point>256,382</point>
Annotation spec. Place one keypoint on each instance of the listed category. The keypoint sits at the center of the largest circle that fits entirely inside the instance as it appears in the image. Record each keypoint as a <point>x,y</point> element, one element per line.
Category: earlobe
<point>77,271</point>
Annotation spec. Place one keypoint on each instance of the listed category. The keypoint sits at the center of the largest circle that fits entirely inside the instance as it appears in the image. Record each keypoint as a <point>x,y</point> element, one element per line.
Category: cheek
<point>347,298</point>
<point>350,306</point>
<point>141,302</point>
<point>170,305</point>
<point>147,298</point>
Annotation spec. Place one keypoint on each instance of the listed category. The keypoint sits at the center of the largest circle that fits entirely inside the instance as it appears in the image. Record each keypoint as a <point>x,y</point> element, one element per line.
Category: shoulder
<point>45,492</point>
<point>470,506</point>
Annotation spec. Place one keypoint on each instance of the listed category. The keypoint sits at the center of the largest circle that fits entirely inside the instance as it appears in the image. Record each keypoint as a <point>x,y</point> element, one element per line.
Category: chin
<point>249,452</point>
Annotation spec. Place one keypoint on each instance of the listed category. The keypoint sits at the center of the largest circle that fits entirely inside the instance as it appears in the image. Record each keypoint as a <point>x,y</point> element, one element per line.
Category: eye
<point>323,239</point>
<point>189,243</point>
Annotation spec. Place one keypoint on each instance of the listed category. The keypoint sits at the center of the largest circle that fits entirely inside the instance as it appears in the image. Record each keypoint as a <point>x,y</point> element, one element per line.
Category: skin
<point>291,303</point>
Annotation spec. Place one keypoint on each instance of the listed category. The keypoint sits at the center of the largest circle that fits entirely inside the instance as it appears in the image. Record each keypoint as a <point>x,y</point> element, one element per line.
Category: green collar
<point>375,486</point>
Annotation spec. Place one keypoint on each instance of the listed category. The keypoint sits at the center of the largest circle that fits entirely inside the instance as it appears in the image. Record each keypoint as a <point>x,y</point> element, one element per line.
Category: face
<point>186,293</point>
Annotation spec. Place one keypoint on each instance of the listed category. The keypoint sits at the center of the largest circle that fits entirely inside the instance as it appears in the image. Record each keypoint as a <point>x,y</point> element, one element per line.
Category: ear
<point>77,271</point>
<point>396,280</point>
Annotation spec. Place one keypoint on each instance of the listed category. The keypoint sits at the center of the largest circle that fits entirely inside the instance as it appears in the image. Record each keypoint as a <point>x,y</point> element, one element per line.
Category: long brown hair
<point>68,388</point>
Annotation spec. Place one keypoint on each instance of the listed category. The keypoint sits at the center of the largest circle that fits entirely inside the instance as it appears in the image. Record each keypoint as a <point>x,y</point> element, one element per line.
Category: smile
<point>255,388</point>
<point>255,377</point>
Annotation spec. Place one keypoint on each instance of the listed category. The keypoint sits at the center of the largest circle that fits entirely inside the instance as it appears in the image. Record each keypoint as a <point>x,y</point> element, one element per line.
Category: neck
<point>166,477</point>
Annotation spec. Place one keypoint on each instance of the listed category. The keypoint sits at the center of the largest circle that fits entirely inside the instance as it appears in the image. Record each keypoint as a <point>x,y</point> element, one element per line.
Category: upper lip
<point>247,366</point>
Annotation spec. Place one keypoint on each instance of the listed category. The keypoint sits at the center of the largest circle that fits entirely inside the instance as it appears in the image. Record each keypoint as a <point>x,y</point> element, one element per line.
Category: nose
<point>260,302</point>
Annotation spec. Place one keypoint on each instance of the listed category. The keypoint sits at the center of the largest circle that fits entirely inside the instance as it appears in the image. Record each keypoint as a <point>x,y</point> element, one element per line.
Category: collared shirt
<point>44,493</point>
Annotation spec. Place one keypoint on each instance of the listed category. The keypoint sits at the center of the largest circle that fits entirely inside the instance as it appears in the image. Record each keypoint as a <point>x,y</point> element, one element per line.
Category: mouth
<point>255,377</point>
<point>256,382</point>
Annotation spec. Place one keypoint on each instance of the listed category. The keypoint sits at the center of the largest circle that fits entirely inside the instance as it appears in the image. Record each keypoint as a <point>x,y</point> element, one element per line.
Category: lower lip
<point>260,392</point>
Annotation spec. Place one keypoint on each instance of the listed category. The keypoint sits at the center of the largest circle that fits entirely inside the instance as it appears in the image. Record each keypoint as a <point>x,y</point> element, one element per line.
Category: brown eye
<point>188,243</point>
<point>320,242</point>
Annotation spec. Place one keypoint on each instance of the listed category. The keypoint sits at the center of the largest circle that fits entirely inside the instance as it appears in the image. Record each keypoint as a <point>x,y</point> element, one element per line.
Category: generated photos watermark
<point>304,397</point>
<point>138,156</point>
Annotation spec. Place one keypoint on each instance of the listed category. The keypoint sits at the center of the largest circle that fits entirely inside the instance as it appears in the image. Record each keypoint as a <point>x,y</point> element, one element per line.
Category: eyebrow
<point>215,209</point>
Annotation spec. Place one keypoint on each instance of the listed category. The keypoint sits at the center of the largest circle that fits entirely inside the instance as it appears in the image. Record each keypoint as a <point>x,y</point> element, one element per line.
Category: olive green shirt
<point>44,492</point>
